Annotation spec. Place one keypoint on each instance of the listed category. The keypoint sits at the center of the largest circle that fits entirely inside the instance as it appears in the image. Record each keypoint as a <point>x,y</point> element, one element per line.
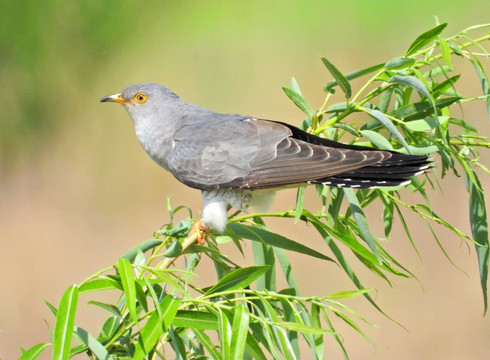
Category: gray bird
<point>239,161</point>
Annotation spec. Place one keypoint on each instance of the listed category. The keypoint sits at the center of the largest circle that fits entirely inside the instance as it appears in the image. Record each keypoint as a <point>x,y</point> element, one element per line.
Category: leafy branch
<point>161,312</point>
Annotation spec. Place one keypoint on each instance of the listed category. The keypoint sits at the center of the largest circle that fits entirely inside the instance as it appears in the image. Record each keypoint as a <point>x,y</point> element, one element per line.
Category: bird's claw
<point>200,231</point>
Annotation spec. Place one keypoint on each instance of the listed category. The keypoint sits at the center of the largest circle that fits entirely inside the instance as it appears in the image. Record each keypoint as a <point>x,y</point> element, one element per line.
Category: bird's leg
<point>200,231</point>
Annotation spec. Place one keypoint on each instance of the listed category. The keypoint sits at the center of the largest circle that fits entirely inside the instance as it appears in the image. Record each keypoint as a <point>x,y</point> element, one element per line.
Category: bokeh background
<point>77,190</point>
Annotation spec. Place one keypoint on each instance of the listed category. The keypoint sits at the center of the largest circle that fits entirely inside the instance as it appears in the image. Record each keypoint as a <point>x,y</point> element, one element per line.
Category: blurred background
<point>77,190</point>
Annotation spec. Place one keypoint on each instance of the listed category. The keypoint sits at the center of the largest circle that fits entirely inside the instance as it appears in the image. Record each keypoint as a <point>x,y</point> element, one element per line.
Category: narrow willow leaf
<point>388,207</point>
<point>65,323</point>
<point>264,255</point>
<point>354,75</point>
<point>253,349</point>
<point>110,326</point>
<point>445,51</point>
<point>426,124</point>
<point>286,269</point>
<point>256,234</point>
<point>238,279</point>
<point>425,39</point>
<point>384,101</point>
<point>295,86</point>
<point>155,327</point>
<point>304,328</point>
<point>339,77</point>
<point>484,81</point>
<point>178,345</point>
<point>388,124</point>
<point>129,287</point>
<point>174,250</point>
<point>352,324</point>
<point>377,139</point>
<point>144,246</point>
<point>479,230</point>
<point>348,294</point>
<point>206,342</point>
<point>413,82</point>
<point>442,87</point>
<point>463,124</point>
<point>337,338</point>
<point>291,314</point>
<point>279,335</point>
<point>224,332</point>
<point>418,110</point>
<point>399,63</point>
<point>109,307</point>
<point>93,344</point>
<point>239,331</point>
<point>299,101</point>
<point>193,319</point>
<point>300,203</point>
<point>100,285</point>
<point>34,352</point>
<point>361,221</point>
<point>318,348</point>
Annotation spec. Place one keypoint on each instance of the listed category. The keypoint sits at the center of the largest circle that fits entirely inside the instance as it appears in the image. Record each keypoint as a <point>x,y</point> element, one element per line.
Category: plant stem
<point>187,242</point>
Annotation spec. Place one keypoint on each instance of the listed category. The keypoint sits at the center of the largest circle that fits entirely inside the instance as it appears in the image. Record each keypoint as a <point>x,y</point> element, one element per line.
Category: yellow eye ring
<point>140,98</point>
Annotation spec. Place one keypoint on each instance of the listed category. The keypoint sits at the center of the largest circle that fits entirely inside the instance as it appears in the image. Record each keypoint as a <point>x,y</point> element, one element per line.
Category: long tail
<point>394,171</point>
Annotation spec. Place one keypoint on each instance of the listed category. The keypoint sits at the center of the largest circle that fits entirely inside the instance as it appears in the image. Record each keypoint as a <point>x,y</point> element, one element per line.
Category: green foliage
<point>161,312</point>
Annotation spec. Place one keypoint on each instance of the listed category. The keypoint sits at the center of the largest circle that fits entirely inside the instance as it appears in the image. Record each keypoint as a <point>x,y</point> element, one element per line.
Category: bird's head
<point>143,100</point>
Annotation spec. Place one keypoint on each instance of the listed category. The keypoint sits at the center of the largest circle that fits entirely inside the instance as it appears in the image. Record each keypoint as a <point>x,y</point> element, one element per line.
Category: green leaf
<point>348,294</point>
<point>65,323</point>
<point>100,285</point>
<point>419,110</point>
<point>300,202</point>
<point>280,339</point>
<point>377,139</point>
<point>286,269</point>
<point>299,101</point>
<point>339,77</point>
<point>361,222</point>
<point>177,344</point>
<point>174,250</point>
<point>442,87</point>
<point>484,81</point>
<point>144,246</point>
<point>238,279</point>
<point>34,352</point>
<point>426,124</point>
<point>479,230</point>
<point>425,38</point>
<point>445,51</point>
<point>264,255</point>
<point>305,329</point>
<point>109,307</point>
<point>93,344</point>
<point>354,75</point>
<point>318,344</point>
<point>253,348</point>
<point>129,287</point>
<point>388,124</point>
<point>239,331</point>
<point>256,234</point>
<point>399,63</point>
<point>413,82</point>
<point>193,319</point>
<point>154,327</point>
<point>224,332</point>
<point>206,342</point>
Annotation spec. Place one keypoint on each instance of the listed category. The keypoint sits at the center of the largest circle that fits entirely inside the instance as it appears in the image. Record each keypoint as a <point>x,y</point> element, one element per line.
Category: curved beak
<point>113,98</point>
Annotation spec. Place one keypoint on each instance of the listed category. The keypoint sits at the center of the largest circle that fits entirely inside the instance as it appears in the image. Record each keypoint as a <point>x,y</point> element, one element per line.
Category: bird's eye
<point>140,97</point>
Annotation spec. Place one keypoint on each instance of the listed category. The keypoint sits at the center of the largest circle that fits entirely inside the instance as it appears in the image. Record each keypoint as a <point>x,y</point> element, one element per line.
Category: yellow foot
<point>200,231</point>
